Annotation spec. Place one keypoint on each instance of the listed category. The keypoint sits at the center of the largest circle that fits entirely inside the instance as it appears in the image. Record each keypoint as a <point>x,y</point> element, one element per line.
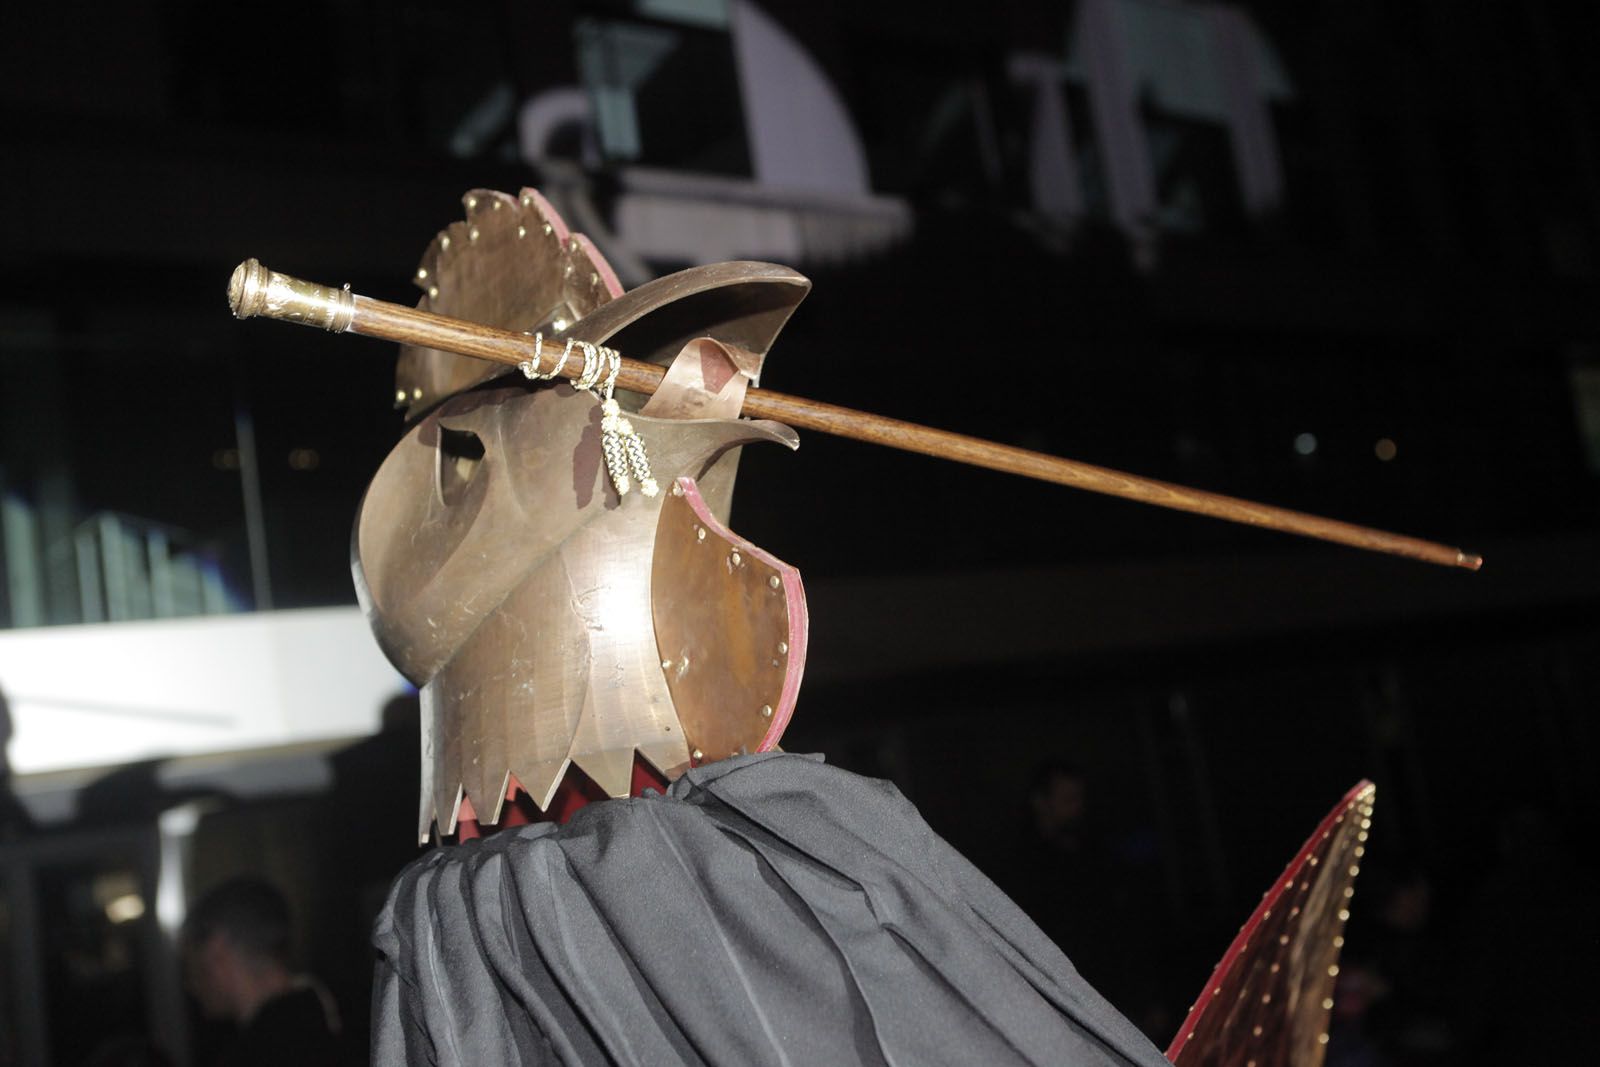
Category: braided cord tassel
<point>622,447</point>
<point>639,461</point>
<point>613,450</point>
<point>611,445</point>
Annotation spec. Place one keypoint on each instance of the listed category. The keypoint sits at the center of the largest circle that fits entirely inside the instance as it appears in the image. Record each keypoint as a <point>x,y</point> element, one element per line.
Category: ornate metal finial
<point>255,290</point>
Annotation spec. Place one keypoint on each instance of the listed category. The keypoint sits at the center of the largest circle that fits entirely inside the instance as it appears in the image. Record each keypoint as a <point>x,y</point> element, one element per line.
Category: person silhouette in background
<point>1069,885</point>
<point>374,788</point>
<point>1090,897</point>
<point>235,951</point>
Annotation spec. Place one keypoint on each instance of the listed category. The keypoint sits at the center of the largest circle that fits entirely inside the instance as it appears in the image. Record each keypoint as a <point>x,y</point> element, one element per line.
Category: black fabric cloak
<point>767,909</point>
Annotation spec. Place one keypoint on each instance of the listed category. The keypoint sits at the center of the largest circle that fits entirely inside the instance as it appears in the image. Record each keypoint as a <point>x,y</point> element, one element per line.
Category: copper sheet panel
<point>731,627</point>
<point>1269,1000</point>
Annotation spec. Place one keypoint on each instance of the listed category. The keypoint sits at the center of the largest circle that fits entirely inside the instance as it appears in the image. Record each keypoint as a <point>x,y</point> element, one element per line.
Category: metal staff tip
<point>255,290</point>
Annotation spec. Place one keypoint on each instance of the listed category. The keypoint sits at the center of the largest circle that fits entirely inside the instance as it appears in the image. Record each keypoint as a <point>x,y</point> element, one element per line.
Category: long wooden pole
<point>254,290</point>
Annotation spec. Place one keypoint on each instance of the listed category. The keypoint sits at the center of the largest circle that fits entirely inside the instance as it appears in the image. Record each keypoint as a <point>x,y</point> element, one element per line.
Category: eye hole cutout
<point>460,454</point>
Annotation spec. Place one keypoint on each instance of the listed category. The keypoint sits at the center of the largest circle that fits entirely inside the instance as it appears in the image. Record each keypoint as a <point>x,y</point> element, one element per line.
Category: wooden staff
<point>254,290</point>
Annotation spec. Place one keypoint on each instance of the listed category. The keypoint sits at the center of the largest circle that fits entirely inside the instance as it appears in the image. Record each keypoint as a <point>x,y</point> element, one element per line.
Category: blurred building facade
<point>1337,257</point>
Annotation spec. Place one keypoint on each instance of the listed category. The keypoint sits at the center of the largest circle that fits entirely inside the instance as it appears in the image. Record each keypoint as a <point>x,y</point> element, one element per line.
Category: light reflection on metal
<point>736,691</point>
<point>512,585</point>
<point>255,290</point>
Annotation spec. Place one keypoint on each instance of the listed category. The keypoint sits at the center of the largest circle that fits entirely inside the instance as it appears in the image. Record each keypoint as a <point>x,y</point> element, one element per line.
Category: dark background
<point>1430,280</point>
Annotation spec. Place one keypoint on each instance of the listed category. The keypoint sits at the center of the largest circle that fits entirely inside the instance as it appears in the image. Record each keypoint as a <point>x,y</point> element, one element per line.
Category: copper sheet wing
<point>1268,1002</point>
<point>510,263</point>
<point>731,625</point>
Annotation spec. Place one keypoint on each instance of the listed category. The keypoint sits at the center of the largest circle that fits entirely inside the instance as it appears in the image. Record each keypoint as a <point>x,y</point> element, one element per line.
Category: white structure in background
<point>1208,63</point>
<point>809,200</point>
<point>94,696</point>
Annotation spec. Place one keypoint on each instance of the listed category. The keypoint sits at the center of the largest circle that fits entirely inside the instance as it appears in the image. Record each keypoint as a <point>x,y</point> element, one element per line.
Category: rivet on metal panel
<point>416,392</point>
<point>473,233</point>
<point>783,648</point>
<point>774,582</point>
<point>472,203</point>
<point>766,711</point>
<point>522,231</point>
<point>444,242</point>
<point>422,272</point>
<point>433,292</point>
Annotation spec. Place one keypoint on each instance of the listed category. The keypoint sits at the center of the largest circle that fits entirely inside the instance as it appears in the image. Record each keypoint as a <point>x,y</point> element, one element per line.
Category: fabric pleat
<point>768,909</point>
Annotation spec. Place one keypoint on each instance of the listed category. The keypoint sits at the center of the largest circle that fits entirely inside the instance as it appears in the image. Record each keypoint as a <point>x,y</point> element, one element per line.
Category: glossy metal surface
<point>500,571</point>
<point>703,382</point>
<point>505,578</point>
<point>510,263</point>
<point>254,290</point>
<point>731,625</point>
